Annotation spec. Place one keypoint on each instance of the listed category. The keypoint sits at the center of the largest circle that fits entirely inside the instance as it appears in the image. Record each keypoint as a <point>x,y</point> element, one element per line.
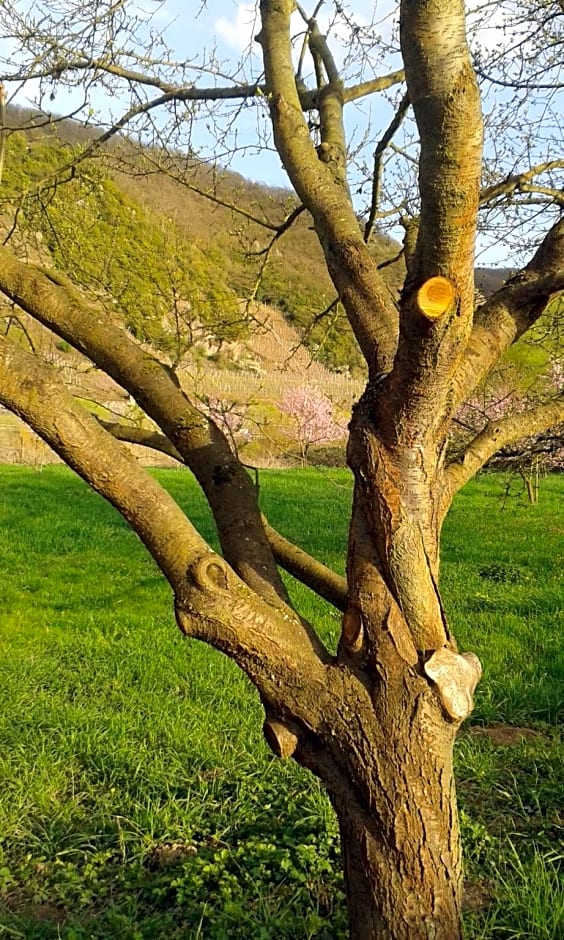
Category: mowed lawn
<point>137,797</point>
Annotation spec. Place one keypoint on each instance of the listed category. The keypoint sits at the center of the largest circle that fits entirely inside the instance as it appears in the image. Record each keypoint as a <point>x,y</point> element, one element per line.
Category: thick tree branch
<point>307,569</point>
<point>353,92</point>
<point>445,98</point>
<point>182,92</point>
<point>318,180</point>
<point>393,545</point>
<point>132,434</point>
<point>269,643</point>
<point>54,302</point>
<point>498,434</point>
<point>443,92</point>
<point>315,575</point>
<point>31,390</point>
<point>191,91</point>
<point>510,312</point>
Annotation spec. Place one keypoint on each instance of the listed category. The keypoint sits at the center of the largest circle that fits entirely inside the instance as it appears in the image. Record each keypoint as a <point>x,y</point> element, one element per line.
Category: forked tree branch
<point>32,390</point>
<point>53,301</point>
<point>305,568</point>
<point>276,649</point>
<point>193,92</point>
<point>185,93</point>
<point>319,183</point>
<point>522,182</point>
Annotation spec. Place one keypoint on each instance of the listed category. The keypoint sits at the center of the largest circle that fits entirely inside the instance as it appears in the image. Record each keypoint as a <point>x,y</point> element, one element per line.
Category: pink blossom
<point>230,418</point>
<point>312,415</point>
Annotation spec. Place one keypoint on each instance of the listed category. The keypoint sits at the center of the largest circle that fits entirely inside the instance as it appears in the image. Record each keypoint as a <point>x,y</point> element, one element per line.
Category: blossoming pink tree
<point>312,418</point>
<point>230,416</point>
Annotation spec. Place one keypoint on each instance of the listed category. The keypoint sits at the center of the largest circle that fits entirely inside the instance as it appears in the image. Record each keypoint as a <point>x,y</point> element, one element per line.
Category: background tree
<point>313,421</point>
<point>530,457</point>
<point>376,722</point>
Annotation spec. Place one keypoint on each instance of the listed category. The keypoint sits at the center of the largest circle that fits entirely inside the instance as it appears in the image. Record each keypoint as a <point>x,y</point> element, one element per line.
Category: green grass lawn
<point>137,797</point>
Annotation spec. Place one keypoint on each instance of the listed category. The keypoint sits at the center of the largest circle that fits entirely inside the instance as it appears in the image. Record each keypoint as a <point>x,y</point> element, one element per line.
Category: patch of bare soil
<point>170,853</point>
<point>502,735</point>
<point>45,912</point>
<point>477,896</point>
<point>42,912</point>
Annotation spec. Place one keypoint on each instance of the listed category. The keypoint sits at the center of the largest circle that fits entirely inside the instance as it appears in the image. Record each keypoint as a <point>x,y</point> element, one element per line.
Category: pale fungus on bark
<point>436,297</point>
<point>455,677</point>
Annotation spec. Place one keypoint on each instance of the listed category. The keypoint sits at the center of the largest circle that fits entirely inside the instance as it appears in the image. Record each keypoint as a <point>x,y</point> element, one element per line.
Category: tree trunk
<point>402,860</point>
<point>401,691</point>
<point>388,771</point>
<point>531,485</point>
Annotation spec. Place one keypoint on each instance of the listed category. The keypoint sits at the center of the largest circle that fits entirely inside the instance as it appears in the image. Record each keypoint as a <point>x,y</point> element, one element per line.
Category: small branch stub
<point>212,574</point>
<point>280,738</point>
<point>436,297</point>
<point>455,677</point>
<point>352,629</point>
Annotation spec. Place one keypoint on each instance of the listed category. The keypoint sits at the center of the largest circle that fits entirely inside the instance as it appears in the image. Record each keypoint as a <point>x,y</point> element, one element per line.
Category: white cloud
<point>238,33</point>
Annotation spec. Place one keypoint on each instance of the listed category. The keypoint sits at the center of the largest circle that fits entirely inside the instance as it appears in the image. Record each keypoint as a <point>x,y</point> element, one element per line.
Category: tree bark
<point>386,761</point>
<point>402,865</point>
<point>402,692</point>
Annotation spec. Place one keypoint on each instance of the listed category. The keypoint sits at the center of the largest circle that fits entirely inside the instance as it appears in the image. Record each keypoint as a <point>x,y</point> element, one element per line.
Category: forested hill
<point>174,259</point>
<point>159,251</point>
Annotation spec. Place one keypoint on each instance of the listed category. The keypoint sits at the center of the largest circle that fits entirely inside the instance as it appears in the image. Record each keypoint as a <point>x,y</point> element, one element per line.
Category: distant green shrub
<point>327,455</point>
<point>503,573</point>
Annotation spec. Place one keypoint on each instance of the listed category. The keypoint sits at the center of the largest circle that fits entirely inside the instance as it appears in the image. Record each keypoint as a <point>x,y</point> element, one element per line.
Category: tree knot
<point>210,573</point>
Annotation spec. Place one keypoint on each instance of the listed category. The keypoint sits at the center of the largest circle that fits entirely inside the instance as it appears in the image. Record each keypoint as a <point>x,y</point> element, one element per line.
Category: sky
<point>229,26</point>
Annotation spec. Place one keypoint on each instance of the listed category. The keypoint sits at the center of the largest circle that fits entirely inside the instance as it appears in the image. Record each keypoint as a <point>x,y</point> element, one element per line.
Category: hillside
<point>178,285</point>
<point>157,209</point>
<point>185,274</point>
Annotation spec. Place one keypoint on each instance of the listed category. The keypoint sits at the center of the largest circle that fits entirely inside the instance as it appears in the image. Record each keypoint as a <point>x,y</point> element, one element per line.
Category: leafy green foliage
<point>170,263</point>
